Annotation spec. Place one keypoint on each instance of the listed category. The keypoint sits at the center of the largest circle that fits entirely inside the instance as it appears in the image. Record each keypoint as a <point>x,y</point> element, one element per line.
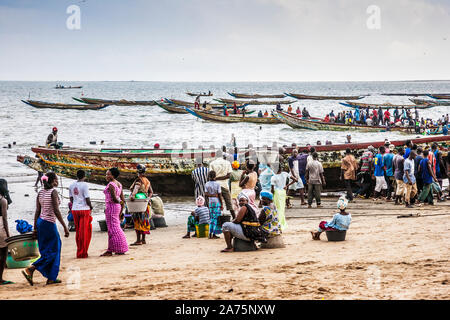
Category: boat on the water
<point>63,106</point>
<point>309,124</point>
<point>308,97</point>
<point>68,87</point>
<point>173,108</point>
<point>255,95</point>
<point>121,102</point>
<point>433,102</point>
<point>232,118</point>
<point>193,94</point>
<point>385,105</point>
<point>439,96</point>
<point>192,104</point>
<point>255,102</point>
<point>170,170</point>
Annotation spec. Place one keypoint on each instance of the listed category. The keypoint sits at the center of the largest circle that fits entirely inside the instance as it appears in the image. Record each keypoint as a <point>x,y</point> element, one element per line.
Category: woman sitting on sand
<point>49,242</point>
<point>141,220</point>
<point>268,217</point>
<point>213,192</point>
<point>340,222</point>
<point>114,202</point>
<point>245,226</point>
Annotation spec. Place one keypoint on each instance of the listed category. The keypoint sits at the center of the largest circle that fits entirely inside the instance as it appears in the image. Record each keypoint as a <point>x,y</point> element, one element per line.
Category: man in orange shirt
<point>348,172</point>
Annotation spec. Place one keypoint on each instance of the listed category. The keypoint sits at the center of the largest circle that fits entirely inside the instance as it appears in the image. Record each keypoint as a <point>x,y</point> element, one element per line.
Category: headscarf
<point>342,203</point>
<point>200,201</point>
<point>267,195</point>
<point>235,164</point>
<point>250,195</point>
<point>4,190</point>
<point>243,195</point>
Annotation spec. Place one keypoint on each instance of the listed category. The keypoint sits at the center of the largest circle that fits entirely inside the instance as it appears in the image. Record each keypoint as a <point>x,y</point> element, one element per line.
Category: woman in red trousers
<point>81,211</point>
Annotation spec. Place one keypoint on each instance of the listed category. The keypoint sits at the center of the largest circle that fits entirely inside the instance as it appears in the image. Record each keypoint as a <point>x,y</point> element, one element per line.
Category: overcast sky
<point>225,40</point>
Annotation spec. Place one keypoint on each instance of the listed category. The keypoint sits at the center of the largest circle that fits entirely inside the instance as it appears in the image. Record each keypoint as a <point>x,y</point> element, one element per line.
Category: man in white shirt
<point>81,211</point>
<point>223,171</point>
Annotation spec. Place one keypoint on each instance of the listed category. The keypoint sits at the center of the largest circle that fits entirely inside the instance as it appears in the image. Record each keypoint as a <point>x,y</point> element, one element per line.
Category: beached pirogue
<point>170,169</point>
<point>63,106</point>
<point>301,123</point>
<point>433,102</point>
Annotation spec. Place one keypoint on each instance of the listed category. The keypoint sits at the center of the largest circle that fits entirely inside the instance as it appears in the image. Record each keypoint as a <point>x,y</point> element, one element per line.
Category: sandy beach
<point>383,257</point>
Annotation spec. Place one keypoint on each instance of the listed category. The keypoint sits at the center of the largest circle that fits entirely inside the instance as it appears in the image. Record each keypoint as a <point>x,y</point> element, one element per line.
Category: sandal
<point>106,254</point>
<point>136,244</point>
<point>49,282</point>
<point>4,282</point>
<point>28,277</point>
<point>227,250</point>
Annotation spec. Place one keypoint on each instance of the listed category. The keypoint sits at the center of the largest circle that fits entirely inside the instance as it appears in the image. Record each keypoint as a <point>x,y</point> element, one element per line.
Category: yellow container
<point>202,230</point>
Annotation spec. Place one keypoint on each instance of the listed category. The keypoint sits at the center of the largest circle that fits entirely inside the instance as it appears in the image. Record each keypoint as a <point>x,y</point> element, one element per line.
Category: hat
<point>200,201</point>
<point>386,142</point>
<point>156,146</point>
<point>267,195</point>
<point>342,203</point>
<point>55,129</point>
<point>391,147</point>
<point>235,164</point>
<point>140,168</point>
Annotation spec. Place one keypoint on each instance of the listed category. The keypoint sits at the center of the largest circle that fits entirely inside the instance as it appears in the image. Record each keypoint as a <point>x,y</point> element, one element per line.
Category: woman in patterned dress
<point>215,205</point>
<point>114,202</point>
<point>141,220</point>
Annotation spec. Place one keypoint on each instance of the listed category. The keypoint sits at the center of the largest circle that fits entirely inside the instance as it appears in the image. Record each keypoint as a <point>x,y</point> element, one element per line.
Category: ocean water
<point>143,126</point>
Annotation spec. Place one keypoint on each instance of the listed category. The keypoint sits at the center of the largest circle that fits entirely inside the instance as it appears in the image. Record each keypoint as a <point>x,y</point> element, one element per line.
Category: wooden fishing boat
<point>232,118</point>
<point>405,94</point>
<point>385,105</point>
<point>173,108</point>
<point>121,102</point>
<point>433,102</point>
<point>255,102</point>
<point>255,95</point>
<point>170,169</point>
<point>68,87</point>
<point>307,97</point>
<point>193,94</point>
<point>307,124</point>
<point>192,104</point>
<point>439,96</point>
<point>63,106</point>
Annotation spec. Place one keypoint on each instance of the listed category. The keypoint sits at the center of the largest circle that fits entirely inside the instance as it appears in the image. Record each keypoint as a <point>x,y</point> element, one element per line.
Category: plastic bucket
<point>202,230</point>
<point>11,264</point>
<point>336,235</point>
<point>23,247</point>
<point>138,205</point>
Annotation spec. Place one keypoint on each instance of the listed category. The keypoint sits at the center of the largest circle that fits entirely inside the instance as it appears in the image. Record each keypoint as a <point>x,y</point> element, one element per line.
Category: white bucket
<point>138,205</point>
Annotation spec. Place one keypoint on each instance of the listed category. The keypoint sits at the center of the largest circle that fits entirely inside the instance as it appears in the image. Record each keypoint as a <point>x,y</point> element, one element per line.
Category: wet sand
<point>383,257</point>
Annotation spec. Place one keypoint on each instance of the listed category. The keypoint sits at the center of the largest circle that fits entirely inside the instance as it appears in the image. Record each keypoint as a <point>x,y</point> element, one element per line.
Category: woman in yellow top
<point>141,219</point>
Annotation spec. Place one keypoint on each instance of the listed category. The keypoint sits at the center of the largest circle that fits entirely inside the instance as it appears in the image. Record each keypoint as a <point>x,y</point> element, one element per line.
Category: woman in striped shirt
<point>49,242</point>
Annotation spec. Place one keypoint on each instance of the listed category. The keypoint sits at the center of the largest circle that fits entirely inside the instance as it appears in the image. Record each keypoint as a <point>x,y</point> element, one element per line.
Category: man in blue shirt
<point>428,177</point>
<point>380,184</point>
<point>388,158</point>
<point>408,149</point>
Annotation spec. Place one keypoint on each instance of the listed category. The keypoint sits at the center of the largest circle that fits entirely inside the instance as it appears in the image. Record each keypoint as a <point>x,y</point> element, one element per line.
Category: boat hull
<point>300,123</point>
<point>307,97</point>
<point>122,102</point>
<point>255,102</point>
<point>385,105</point>
<point>231,118</point>
<point>170,170</point>
<point>255,96</point>
<point>62,106</point>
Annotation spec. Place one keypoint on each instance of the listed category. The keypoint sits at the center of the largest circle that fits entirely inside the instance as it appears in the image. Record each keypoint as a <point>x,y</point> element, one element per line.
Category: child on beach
<point>340,222</point>
<point>199,216</point>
